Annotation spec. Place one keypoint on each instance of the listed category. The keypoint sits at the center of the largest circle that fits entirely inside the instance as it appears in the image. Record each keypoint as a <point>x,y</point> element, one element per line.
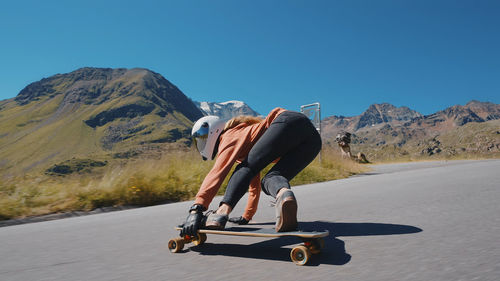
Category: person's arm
<point>252,203</point>
<point>213,180</point>
<point>211,184</point>
<point>253,198</point>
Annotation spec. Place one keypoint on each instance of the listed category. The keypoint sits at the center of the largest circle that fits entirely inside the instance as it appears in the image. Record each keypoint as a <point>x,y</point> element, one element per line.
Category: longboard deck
<point>313,240</point>
<point>262,232</point>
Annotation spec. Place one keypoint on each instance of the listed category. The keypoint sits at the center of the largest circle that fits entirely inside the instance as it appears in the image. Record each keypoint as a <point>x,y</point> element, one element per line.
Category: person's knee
<point>319,143</point>
<point>315,143</point>
<point>243,171</point>
<point>273,181</point>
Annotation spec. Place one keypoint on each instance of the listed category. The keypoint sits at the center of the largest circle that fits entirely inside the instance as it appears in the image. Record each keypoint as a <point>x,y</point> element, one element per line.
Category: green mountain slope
<point>91,113</point>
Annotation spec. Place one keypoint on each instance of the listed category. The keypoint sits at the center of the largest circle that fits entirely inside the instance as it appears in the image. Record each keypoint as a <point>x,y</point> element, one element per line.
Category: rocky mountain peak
<point>93,73</point>
<point>226,110</point>
<point>458,115</point>
<point>74,83</point>
<point>385,113</point>
<point>486,110</point>
<point>139,90</point>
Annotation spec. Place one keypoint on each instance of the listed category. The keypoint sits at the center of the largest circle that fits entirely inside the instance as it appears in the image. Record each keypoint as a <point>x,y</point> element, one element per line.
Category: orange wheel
<point>300,255</point>
<point>200,239</point>
<point>176,245</point>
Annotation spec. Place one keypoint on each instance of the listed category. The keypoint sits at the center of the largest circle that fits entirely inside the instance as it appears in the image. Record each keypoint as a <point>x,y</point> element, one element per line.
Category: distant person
<point>255,143</point>
<point>343,139</point>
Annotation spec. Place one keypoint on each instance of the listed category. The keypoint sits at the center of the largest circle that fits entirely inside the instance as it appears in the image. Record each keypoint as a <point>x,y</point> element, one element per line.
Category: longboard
<point>300,255</point>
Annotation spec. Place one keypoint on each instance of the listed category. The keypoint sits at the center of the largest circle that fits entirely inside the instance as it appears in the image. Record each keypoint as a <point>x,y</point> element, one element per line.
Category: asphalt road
<point>419,221</point>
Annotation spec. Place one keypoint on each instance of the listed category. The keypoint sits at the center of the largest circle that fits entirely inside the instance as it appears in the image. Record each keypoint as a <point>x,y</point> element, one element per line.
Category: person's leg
<point>282,135</point>
<point>276,181</point>
<point>291,137</point>
<point>294,160</point>
<point>290,165</point>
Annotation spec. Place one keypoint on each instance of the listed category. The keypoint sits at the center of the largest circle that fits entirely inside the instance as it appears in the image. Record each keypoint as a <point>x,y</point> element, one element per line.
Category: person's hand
<point>192,223</point>
<point>238,220</point>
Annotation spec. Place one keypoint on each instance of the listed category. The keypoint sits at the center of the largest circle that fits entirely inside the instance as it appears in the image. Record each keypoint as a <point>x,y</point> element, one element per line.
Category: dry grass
<point>331,167</point>
<point>439,157</point>
<point>176,176</point>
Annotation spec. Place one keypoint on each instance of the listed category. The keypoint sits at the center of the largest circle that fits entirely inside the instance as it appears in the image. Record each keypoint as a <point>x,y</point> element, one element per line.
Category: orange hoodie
<point>234,145</point>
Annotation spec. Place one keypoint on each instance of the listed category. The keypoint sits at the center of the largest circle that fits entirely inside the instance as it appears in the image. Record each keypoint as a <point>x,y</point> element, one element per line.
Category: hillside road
<point>416,221</point>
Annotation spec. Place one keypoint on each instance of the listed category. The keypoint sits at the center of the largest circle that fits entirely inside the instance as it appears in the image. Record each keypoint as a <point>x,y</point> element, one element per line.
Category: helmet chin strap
<point>216,148</point>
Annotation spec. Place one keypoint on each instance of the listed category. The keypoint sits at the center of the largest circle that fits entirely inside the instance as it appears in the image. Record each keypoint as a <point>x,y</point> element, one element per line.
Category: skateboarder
<point>285,135</point>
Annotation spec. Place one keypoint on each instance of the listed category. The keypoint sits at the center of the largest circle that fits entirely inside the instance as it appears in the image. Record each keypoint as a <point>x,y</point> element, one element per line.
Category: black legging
<point>290,137</point>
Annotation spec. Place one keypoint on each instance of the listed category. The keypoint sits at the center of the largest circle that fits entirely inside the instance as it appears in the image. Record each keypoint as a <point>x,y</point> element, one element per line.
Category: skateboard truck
<point>177,244</point>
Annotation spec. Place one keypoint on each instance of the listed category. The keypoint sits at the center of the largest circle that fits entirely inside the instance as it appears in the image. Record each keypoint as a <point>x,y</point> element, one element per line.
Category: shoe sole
<point>215,227</point>
<point>288,218</point>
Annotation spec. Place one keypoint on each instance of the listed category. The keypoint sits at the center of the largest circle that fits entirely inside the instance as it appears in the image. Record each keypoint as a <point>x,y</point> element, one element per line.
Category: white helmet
<point>205,133</point>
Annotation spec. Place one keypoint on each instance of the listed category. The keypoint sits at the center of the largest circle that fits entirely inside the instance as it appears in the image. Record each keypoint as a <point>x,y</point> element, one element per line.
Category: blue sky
<point>426,55</point>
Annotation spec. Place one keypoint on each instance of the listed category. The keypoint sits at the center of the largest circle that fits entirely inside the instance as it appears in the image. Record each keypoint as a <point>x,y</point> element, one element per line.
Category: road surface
<point>419,221</point>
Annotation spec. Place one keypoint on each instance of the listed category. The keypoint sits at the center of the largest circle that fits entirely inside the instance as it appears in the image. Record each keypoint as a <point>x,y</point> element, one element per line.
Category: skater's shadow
<point>274,249</point>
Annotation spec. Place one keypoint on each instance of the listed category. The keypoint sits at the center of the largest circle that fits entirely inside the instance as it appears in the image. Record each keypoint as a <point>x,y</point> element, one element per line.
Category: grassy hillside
<point>91,113</point>
<point>173,176</point>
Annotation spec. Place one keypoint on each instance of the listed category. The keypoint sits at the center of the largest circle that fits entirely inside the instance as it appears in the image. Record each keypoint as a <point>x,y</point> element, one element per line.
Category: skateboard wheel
<point>200,239</point>
<point>176,245</point>
<point>300,255</point>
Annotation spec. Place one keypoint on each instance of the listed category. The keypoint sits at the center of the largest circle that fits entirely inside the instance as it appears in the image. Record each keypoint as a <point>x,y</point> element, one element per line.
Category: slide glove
<point>193,221</point>
<point>238,220</point>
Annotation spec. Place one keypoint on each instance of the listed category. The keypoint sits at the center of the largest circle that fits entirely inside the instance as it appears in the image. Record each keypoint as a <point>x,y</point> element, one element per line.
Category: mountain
<point>375,115</point>
<point>459,115</point>
<point>226,110</point>
<point>93,117</point>
<point>384,131</point>
<point>91,113</point>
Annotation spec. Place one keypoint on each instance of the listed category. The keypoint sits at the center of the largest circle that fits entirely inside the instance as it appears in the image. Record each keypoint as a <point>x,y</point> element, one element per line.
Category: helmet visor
<point>200,138</point>
<point>200,143</point>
